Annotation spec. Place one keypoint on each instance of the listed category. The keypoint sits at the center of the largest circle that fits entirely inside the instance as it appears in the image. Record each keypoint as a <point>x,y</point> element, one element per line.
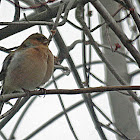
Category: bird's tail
<point>1,106</point>
<point>1,103</point>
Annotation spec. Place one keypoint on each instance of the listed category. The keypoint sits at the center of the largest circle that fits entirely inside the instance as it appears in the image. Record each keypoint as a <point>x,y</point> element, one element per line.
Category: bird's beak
<point>45,42</point>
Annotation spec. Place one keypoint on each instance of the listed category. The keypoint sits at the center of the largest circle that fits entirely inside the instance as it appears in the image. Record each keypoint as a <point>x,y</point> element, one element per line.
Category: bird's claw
<point>27,92</point>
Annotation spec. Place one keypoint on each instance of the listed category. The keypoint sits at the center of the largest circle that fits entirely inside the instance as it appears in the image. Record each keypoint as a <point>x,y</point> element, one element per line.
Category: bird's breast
<point>27,69</point>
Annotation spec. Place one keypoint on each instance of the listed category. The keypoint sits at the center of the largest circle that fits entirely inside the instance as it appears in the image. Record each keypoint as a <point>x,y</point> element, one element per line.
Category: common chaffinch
<point>28,67</point>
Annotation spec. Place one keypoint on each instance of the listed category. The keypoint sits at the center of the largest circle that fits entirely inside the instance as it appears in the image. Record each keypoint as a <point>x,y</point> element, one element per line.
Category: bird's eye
<point>39,39</point>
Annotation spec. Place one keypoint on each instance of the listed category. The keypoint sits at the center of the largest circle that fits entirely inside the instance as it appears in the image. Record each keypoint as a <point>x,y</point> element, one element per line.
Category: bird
<point>30,66</point>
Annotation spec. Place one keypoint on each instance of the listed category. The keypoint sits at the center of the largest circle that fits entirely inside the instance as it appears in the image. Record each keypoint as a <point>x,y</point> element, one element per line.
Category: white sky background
<point>44,108</point>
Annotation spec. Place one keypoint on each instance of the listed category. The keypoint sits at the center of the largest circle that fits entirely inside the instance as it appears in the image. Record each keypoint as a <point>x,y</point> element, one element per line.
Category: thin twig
<point>108,38</point>
<point>117,30</point>
<point>84,54</point>
<point>134,73</point>
<point>54,118</point>
<point>7,118</point>
<point>41,16</point>
<point>133,12</point>
<point>96,121</point>
<point>72,24</point>
<point>115,132</point>
<point>56,22</point>
<point>135,38</point>
<point>107,118</point>
<point>71,2</point>
<point>31,7</point>
<point>89,14</point>
<point>65,113</point>
<point>2,135</point>
<point>109,66</point>
<point>11,110</point>
<point>106,83</point>
<point>95,77</point>
<point>17,11</point>
<point>117,51</point>
<point>7,50</point>
<point>21,117</point>
<point>100,25</point>
<point>74,44</point>
<point>120,20</point>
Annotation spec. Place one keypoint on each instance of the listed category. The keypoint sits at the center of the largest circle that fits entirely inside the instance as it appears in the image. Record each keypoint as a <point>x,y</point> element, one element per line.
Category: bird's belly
<point>27,75</point>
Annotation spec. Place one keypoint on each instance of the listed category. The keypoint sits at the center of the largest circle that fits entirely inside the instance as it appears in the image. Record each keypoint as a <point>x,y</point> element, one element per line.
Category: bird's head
<point>34,40</point>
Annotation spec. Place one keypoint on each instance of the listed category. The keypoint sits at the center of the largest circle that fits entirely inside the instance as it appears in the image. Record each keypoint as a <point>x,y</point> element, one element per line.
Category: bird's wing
<point>6,63</point>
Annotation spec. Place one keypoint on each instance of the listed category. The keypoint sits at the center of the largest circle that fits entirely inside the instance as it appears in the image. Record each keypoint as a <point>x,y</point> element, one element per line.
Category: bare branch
<point>17,11</point>
<point>65,112</point>
<point>68,91</point>
<point>43,16</point>
<point>31,23</point>
<point>71,2</point>
<point>31,7</point>
<point>11,110</point>
<point>109,66</point>
<point>133,12</point>
<point>113,25</point>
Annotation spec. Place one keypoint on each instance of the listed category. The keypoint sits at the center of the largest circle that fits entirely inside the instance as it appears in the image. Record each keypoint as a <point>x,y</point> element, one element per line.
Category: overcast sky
<point>44,108</point>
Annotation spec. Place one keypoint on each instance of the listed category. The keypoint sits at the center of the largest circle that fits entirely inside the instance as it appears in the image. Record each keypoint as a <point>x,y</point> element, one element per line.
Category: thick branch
<point>133,12</point>
<point>43,16</point>
<point>113,25</point>
<point>109,66</point>
<point>67,91</point>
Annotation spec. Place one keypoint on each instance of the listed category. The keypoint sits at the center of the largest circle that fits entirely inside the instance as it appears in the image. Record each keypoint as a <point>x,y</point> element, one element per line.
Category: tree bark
<point>121,107</point>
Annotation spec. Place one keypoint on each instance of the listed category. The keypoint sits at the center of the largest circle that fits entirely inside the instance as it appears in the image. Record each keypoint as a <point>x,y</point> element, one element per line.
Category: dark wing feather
<point>6,63</point>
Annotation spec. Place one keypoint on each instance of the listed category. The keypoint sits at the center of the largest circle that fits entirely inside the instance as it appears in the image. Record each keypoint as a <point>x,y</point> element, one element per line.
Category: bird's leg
<point>27,92</point>
<point>42,90</point>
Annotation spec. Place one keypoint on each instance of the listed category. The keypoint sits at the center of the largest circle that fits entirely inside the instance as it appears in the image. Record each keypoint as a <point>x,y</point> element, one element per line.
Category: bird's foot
<point>42,90</point>
<point>27,92</point>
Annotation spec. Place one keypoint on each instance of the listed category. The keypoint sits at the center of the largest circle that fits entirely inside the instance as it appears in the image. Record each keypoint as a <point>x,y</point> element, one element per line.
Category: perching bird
<point>28,67</point>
